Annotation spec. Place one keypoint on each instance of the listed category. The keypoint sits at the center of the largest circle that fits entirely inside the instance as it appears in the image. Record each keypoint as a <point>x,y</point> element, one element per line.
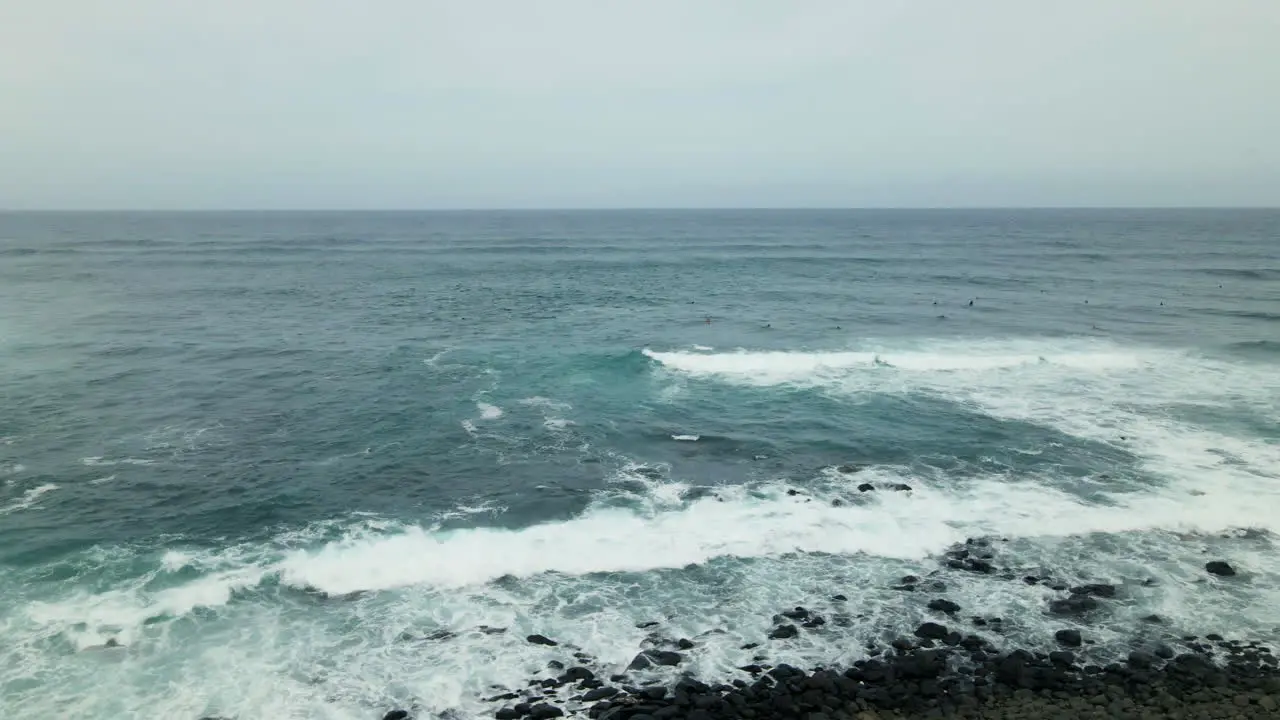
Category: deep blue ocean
<point>287,465</point>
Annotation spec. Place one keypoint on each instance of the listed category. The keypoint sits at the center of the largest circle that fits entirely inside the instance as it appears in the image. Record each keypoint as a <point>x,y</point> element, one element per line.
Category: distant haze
<point>166,104</point>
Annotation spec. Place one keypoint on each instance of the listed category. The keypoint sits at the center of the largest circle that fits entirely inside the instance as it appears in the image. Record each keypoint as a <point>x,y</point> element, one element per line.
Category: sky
<point>405,104</point>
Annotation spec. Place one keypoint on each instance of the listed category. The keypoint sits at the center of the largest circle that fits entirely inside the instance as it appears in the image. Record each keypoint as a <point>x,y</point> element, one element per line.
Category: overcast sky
<point>649,103</point>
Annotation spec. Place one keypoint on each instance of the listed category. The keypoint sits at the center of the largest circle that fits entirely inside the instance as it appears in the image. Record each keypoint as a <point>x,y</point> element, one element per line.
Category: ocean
<point>322,465</point>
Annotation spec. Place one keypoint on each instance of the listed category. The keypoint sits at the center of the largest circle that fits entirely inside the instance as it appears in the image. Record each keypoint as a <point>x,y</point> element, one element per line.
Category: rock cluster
<point>943,674</point>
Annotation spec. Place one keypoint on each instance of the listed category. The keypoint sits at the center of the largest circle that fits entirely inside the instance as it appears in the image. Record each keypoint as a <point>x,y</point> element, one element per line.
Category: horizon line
<point>637,208</point>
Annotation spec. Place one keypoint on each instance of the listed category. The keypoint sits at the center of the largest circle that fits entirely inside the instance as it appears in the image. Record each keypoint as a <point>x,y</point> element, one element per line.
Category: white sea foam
<point>546,403</point>
<point>686,438</point>
<point>424,579</point>
<point>589,578</point>
<point>777,367</point>
<point>431,361</point>
<point>28,499</point>
<point>462,511</point>
<point>489,412</point>
<point>99,461</point>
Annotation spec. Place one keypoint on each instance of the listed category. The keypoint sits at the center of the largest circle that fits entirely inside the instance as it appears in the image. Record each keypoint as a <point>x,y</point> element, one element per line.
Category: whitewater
<point>233,491</point>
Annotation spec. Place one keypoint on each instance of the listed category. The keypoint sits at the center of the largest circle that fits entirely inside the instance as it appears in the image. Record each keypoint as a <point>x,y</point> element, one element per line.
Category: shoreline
<point>933,670</point>
<point>918,677</point>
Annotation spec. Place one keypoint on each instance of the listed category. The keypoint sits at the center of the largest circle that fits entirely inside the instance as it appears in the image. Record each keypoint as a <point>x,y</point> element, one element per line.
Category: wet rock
<point>503,696</point>
<point>543,711</point>
<point>1220,568</point>
<point>396,715</point>
<point>577,674</point>
<point>650,658</point>
<point>541,640</point>
<point>921,664</point>
<point>599,694</point>
<point>1064,658</point>
<point>944,606</point>
<point>866,487</point>
<point>783,632</point>
<point>980,566</point>
<point>797,614</point>
<point>507,714</point>
<point>851,468</point>
<point>1074,605</point>
<point>900,487</point>
<point>932,631</point>
<point>684,644</point>
<point>491,630</point>
<point>1068,638</point>
<point>838,598</point>
<point>1141,659</point>
<point>1153,619</point>
<point>1095,590</point>
<point>647,625</point>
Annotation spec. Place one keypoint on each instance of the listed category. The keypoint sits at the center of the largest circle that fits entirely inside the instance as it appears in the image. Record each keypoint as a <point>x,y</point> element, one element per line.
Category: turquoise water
<point>291,463</point>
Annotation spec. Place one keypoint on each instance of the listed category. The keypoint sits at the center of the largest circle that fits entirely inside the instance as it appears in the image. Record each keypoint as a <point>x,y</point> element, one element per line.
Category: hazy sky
<point>621,103</point>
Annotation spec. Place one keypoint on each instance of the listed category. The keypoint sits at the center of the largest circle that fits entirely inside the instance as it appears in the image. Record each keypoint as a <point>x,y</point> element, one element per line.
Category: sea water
<point>307,465</point>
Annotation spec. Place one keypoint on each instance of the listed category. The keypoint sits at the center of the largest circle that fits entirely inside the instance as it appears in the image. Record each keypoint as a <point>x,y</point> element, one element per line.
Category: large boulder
<point>782,632</point>
<point>650,658</point>
<point>543,711</point>
<point>1095,590</point>
<point>1220,568</point>
<point>944,606</point>
<point>932,631</point>
<point>1069,638</point>
<point>1074,605</point>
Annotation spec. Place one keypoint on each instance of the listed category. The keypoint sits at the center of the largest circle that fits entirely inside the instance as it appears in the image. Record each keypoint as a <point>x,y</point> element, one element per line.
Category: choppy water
<point>274,456</point>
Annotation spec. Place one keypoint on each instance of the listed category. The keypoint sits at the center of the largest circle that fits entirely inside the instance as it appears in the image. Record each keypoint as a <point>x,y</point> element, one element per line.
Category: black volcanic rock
<point>1095,590</point>
<point>782,632</point>
<point>1220,568</point>
<point>932,631</point>
<point>543,711</point>
<point>943,605</point>
<point>1074,605</point>
<point>650,658</point>
<point>1068,638</point>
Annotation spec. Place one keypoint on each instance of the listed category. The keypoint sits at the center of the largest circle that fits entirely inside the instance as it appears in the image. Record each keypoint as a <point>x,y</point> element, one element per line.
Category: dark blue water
<point>270,454</point>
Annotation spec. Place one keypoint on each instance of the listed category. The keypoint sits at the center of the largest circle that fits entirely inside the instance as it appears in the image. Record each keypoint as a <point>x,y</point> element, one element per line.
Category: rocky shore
<point>968,679</point>
<point>934,670</point>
